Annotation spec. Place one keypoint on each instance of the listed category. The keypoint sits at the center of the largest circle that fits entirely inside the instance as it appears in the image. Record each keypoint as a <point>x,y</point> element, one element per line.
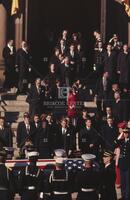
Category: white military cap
<point>87,157</point>
<point>33,154</point>
<point>60,153</point>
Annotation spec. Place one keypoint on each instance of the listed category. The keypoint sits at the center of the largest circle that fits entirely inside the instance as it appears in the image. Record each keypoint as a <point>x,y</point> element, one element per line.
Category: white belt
<point>87,190</point>
<point>55,192</point>
<point>31,188</point>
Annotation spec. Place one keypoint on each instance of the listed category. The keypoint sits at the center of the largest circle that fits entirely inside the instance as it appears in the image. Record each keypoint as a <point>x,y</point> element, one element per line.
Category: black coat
<point>110,63</point>
<point>109,135</point>
<point>99,90</point>
<point>23,61</point>
<point>35,100</point>
<point>23,134</point>
<point>6,138</point>
<point>87,137</point>
<point>9,59</point>
<point>123,65</point>
<point>44,142</point>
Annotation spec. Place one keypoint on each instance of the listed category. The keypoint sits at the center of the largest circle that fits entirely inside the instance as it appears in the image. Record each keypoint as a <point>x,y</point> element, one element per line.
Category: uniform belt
<point>87,190</point>
<point>31,188</point>
<point>3,188</point>
<point>56,192</point>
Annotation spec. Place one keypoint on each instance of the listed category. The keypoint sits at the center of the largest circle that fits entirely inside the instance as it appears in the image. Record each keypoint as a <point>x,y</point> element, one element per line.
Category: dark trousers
<point>4,195</point>
<point>87,196</point>
<point>125,183</point>
<point>29,195</point>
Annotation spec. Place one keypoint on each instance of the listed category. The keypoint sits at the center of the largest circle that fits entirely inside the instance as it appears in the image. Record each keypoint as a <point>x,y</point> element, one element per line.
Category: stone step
<point>21,97</point>
<point>14,108</point>
<point>14,103</point>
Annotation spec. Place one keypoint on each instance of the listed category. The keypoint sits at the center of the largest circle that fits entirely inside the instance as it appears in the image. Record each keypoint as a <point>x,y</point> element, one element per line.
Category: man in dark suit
<point>6,136</point>
<point>9,60</point>
<point>123,67</point>
<point>35,98</point>
<point>65,71</point>
<point>109,134</point>
<point>110,62</point>
<point>73,57</point>
<point>25,132</point>
<point>88,138</point>
<point>64,137</point>
<point>103,87</point>
<point>23,64</point>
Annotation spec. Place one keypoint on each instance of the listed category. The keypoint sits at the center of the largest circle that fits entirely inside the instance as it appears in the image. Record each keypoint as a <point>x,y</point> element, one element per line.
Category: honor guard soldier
<point>108,177</point>
<point>87,179</point>
<point>124,163</point>
<point>6,179</point>
<point>60,181</point>
<point>29,180</point>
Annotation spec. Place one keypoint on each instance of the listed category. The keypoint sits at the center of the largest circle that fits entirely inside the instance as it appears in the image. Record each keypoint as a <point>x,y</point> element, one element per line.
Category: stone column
<point>129,34</point>
<point>18,31</point>
<point>3,29</point>
<point>103,19</point>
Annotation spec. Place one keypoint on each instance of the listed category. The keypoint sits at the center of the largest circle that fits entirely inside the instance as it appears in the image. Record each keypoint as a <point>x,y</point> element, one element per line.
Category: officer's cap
<point>60,153</point>
<point>87,157</point>
<point>108,153</point>
<point>33,154</point>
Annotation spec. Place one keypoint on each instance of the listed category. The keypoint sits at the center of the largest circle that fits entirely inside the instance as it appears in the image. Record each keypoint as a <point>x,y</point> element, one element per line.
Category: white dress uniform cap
<point>87,157</point>
<point>33,154</point>
<point>60,153</point>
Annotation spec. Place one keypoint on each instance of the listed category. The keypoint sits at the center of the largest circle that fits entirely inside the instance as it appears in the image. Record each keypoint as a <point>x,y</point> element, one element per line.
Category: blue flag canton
<point>74,164</point>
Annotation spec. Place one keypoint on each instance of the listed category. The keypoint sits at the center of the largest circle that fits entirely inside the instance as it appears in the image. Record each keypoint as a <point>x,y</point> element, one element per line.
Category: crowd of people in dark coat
<point>58,118</point>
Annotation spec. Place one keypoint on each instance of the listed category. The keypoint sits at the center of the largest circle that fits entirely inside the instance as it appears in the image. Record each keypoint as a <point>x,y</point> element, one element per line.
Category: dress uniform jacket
<point>108,178</point>
<point>29,183</point>
<point>60,184</point>
<point>87,184</point>
<point>6,182</point>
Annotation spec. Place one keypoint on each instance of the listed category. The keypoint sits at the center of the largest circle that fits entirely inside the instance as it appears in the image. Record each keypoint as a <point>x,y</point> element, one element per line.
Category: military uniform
<point>87,181</point>
<point>60,183</point>
<point>6,181</point>
<point>108,178</point>
<point>124,165</point>
<point>29,180</point>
